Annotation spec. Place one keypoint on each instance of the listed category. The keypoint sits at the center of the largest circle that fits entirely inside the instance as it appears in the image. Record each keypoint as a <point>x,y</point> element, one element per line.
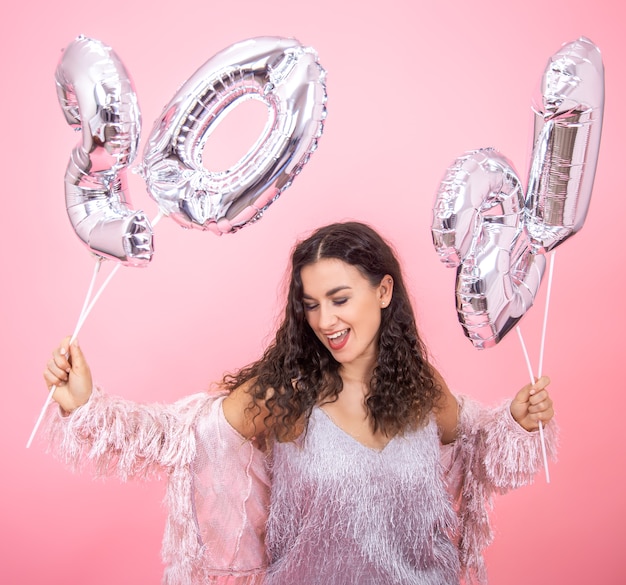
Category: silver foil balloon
<point>567,128</point>
<point>282,74</point>
<point>478,227</point>
<point>97,97</point>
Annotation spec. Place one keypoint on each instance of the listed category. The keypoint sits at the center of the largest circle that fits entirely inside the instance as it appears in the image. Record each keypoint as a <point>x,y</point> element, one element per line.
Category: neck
<point>356,373</point>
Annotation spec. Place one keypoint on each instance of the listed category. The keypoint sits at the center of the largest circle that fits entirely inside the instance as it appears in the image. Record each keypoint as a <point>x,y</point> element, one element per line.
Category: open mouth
<point>339,339</point>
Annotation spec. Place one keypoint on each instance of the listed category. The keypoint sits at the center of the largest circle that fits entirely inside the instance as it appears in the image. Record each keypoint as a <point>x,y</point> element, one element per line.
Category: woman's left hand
<point>533,404</point>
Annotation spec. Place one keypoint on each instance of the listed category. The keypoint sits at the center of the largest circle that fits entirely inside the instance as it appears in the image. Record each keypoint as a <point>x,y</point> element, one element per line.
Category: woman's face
<point>344,310</point>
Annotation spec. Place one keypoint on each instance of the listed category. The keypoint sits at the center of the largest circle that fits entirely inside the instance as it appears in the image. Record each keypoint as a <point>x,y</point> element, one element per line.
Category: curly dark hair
<point>296,371</point>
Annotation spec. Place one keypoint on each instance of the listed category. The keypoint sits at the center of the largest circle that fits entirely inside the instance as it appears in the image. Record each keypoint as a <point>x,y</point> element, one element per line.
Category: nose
<point>327,317</point>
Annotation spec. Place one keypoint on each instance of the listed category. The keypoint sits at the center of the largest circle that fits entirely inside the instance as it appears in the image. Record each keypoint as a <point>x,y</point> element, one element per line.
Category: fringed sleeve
<point>492,454</point>
<point>120,437</point>
<point>218,486</point>
<point>228,486</point>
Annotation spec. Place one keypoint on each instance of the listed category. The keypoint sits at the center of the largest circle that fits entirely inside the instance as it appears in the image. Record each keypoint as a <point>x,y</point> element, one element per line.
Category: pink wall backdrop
<point>411,85</point>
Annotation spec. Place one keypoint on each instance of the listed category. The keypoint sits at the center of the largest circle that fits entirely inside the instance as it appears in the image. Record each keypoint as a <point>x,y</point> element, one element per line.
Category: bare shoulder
<point>244,413</point>
<point>446,411</point>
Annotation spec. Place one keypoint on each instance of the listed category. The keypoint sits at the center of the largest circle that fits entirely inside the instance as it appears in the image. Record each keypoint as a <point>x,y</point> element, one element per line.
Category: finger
<point>546,413</point>
<point>544,416</point>
<point>59,366</point>
<point>543,410</point>
<point>77,358</point>
<point>523,396</point>
<point>540,384</point>
<point>539,397</point>
<point>54,378</point>
<point>539,409</point>
<point>60,356</point>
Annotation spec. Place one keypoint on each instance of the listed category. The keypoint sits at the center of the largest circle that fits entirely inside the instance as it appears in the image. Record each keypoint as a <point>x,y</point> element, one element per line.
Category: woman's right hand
<point>69,372</point>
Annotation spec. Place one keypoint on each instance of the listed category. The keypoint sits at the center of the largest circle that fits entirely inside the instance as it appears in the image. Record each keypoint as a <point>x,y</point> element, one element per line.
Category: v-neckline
<point>352,437</point>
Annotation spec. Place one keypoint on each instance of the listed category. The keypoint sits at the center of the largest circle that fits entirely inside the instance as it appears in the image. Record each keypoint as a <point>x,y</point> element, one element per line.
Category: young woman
<point>340,457</point>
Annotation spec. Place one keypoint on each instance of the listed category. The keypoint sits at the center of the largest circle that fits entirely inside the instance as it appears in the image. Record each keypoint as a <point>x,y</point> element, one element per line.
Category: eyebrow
<point>331,292</point>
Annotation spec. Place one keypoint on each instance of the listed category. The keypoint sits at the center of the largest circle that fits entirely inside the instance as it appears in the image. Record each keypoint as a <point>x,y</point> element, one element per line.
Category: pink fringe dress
<point>323,509</point>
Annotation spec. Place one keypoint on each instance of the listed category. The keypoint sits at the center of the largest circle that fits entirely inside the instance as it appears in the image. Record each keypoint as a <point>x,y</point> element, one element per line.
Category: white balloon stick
<point>85,309</point>
<point>88,305</point>
<point>541,354</point>
<point>545,314</point>
<point>532,381</point>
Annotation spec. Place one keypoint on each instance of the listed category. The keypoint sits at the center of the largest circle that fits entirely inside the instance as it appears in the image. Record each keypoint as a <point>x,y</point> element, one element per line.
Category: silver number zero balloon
<point>280,72</point>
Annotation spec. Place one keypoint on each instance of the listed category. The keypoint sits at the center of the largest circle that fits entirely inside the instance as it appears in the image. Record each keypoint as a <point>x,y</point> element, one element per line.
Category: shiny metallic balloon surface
<point>494,234</point>
<point>97,96</point>
<point>478,228</point>
<point>282,74</point>
<point>568,116</point>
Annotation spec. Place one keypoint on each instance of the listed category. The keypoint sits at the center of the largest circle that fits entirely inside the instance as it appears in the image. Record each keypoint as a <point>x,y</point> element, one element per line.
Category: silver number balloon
<point>97,96</point>
<point>478,228</point>
<point>568,124</point>
<point>486,227</point>
<point>279,72</point>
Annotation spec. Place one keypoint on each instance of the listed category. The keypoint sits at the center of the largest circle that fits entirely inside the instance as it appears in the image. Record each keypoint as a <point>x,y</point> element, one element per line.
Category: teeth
<point>338,334</point>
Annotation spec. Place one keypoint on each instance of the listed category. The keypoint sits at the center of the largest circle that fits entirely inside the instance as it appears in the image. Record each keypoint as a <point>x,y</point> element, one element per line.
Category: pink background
<point>411,86</point>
